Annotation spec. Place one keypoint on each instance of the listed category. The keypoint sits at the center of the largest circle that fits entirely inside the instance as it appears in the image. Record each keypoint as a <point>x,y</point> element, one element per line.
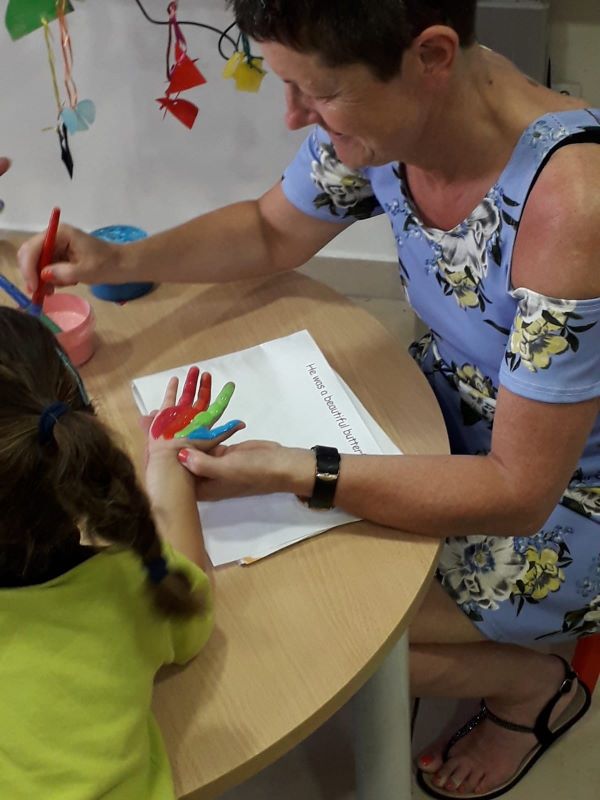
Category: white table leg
<point>382,730</point>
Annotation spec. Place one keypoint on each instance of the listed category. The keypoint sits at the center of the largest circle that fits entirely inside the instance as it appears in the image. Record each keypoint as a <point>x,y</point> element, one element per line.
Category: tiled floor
<point>321,768</point>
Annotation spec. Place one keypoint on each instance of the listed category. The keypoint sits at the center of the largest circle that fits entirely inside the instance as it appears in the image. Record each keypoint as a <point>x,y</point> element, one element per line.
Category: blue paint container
<point>120,292</point>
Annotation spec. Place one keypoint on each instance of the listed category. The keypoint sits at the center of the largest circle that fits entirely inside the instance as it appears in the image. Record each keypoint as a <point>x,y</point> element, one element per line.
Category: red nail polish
<point>183,455</point>
<point>426,760</point>
<point>47,274</point>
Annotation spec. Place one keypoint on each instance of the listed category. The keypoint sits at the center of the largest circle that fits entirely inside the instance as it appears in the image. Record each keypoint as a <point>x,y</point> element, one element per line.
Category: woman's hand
<point>250,468</point>
<point>78,257</point>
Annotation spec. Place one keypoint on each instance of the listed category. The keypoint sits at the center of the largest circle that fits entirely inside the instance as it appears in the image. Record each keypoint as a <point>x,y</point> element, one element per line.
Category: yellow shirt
<point>78,656</point>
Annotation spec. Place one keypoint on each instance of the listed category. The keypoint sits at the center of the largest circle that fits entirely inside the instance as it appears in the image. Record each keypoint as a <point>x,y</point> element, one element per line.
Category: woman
<point>488,180</point>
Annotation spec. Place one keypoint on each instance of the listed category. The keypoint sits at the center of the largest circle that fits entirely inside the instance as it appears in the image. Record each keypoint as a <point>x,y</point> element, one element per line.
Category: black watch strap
<point>326,475</point>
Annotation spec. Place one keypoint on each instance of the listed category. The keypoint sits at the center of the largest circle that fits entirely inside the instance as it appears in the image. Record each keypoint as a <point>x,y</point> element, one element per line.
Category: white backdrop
<point>132,167</point>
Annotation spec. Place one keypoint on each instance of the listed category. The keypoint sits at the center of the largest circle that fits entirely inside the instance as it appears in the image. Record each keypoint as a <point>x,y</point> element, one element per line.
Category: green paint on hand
<point>205,419</point>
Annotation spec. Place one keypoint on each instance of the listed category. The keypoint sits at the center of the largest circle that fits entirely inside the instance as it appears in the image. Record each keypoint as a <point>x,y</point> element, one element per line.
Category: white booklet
<point>285,392</point>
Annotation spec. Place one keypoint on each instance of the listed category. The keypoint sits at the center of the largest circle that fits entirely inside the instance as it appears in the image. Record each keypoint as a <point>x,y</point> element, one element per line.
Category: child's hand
<point>191,417</point>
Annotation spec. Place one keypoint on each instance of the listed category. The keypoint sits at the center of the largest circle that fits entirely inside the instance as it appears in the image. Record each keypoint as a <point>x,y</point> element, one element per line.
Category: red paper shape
<point>185,75</point>
<point>185,111</point>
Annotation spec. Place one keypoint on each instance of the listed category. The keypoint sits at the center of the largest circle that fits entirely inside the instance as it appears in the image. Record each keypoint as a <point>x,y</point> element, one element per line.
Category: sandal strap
<point>475,720</point>
<point>541,728</point>
<point>505,723</point>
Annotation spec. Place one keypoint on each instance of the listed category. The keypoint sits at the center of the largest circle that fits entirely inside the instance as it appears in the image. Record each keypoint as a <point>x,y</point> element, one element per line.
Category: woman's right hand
<point>78,257</point>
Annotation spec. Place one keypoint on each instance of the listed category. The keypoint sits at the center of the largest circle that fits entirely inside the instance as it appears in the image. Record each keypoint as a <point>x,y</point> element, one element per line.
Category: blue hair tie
<point>157,570</point>
<point>48,419</point>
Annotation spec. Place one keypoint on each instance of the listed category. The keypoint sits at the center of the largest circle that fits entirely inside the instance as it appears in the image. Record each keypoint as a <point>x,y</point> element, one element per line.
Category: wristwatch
<point>327,471</point>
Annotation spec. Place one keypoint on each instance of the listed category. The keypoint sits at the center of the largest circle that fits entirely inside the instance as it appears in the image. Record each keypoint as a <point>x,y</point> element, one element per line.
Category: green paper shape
<point>24,16</point>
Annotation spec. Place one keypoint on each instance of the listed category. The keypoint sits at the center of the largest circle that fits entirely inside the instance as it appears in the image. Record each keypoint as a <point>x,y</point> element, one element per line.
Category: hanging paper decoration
<point>72,115</point>
<point>245,69</point>
<point>182,75</point>
<point>25,16</point>
<point>79,114</point>
<point>61,130</point>
<point>185,111</point>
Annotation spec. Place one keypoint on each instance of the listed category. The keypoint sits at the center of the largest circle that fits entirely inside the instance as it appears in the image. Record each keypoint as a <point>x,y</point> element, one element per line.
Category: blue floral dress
<point>485,333</point>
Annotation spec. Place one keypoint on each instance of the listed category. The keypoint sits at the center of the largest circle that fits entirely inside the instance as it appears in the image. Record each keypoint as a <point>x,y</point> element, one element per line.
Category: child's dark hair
<point>342,32</point>
<point>71,478</point>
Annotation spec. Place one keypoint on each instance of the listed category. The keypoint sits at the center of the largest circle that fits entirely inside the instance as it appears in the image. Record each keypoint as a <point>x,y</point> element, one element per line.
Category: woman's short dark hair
<point>372,32</point>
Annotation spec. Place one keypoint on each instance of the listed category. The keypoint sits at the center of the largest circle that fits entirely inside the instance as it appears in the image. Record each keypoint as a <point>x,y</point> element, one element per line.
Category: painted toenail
<point>426,760</point>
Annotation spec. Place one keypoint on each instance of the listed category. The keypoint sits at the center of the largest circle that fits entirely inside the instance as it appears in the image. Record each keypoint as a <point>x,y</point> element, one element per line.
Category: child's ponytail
<point>61,473</point>
<point>109,503</point>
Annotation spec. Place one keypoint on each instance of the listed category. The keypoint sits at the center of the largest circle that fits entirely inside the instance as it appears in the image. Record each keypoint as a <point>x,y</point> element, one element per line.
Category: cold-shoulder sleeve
<point>553,350</point>
<point>320,185</point>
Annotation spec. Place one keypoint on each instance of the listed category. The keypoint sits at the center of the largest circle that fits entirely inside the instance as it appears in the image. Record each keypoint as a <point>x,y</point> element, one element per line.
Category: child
<point>84,628</point>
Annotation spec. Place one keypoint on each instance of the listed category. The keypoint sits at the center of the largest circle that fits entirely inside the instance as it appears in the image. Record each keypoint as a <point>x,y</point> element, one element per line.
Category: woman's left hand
<point>250,468</point>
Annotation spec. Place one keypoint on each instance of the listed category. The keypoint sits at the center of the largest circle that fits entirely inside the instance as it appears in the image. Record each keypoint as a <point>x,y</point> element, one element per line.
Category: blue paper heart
<point>79,118</point>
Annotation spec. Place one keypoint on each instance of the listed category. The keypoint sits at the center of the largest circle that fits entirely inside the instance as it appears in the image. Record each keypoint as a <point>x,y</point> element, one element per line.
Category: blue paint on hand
<point>208,434</point>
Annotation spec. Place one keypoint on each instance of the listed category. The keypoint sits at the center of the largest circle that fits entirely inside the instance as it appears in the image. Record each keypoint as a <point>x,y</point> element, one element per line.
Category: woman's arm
<point>535,445</point>
<point>242,240</point>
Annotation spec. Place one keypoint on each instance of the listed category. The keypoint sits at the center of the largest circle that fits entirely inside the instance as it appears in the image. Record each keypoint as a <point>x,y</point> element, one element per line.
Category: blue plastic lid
<point>120,233</point>
<point>120,292</point>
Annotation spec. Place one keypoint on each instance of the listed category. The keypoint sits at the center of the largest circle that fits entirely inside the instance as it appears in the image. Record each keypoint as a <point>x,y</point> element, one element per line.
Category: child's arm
<point>171,487</point>
<point>172,493</point>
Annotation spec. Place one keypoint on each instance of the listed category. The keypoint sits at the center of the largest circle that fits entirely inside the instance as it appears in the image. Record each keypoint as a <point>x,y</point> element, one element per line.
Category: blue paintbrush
<point>25,303</point>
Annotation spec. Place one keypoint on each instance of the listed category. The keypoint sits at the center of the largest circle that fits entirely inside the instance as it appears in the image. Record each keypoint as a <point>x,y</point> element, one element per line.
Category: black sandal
<point>545,736</point>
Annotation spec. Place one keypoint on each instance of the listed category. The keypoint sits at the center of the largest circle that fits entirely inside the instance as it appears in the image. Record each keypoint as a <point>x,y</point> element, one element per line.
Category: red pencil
<point>45,259</point>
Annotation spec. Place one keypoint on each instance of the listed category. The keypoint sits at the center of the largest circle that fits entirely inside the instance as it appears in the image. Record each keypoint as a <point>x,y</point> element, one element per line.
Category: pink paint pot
<point>75,317</point>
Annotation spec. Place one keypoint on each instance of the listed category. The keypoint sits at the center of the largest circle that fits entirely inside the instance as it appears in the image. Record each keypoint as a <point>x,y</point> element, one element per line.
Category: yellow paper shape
<point>232,65</point>
<point>248,75</point>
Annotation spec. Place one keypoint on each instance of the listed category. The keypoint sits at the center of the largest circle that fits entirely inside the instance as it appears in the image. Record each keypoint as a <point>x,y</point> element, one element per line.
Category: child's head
<point>60,471</point>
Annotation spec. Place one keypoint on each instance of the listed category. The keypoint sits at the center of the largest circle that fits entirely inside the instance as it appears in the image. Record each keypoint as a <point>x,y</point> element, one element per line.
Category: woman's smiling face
<point>371,122</point>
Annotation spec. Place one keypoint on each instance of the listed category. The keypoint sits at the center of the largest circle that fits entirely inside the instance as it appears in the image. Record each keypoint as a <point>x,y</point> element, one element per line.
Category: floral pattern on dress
<point>582,498</point>
<point>585,619</point>
<point>419,349</point>
<point>476,391</point>
<point>544,574</point>
<point>580,622</point>
<point>480,572</point>
<point>543,328</point>
<point>342,190</point>
<point>477,394</point>
<point>544,136</point>
<point>462,255</point>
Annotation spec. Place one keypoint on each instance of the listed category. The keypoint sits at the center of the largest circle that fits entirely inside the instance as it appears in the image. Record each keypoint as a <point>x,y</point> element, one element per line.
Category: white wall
<point>575,44</point>
<point>133,167</point>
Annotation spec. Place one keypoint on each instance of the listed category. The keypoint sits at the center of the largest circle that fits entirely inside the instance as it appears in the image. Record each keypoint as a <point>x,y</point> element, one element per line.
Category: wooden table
<point>298,634</point>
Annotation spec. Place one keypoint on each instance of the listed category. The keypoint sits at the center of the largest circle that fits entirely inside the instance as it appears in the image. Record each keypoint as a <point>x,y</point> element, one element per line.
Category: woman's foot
<point>490,755</point>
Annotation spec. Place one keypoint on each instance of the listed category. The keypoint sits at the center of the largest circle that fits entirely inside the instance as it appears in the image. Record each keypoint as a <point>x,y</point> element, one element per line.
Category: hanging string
<point>67,52</point>
<point>52,63</point>
<point>223,35</point>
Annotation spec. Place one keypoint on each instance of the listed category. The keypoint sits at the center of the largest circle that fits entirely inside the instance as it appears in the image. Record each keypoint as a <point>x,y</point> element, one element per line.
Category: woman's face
<point>370,122</point>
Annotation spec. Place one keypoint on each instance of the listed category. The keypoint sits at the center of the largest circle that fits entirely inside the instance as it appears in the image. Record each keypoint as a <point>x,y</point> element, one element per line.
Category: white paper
<point>286,392</point>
